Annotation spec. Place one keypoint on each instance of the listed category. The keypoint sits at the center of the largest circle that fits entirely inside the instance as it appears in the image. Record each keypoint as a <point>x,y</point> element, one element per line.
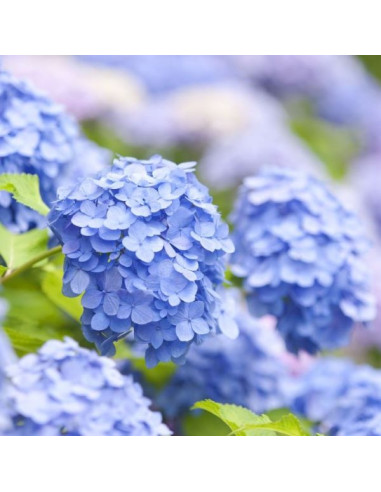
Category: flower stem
<point>42,256</point>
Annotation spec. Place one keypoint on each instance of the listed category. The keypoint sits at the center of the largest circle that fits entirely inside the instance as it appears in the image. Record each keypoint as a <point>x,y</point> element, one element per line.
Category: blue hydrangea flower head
<point>37,137</point>
<point>68,390</point>
<point>344,399</point>
<point>247,371</point>
<point>320,387</point>
<point>146,246</point>
<point>301,254</point>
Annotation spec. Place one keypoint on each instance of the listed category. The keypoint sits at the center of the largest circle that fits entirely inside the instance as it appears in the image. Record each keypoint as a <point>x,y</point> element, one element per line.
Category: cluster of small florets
<point>146,245</point>
<point>301,254</point>
<point>68,390</point>
<point>342,398</point>
<point>248,371</point>
<point>36,137</point>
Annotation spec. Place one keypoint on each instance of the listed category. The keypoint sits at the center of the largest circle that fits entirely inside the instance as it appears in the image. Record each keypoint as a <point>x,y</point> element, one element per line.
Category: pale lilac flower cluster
<point>301,254</point>
<point>168,72</point>
<point>86,91</point>
<point>68,390</point>
<point>228,161</point>
<point>366,340</point>
<point>364,176</point>
<point>146,246</point>
<point>344,399</point>
<point>339,88</point>
<point>199,115</point>
<point>37,137</point>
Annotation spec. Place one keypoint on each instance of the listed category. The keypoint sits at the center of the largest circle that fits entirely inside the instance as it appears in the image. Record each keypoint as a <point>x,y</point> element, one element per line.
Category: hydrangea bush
<point>137,261</point>
<point>37,137</point>
<point>301,254</point>
<point>68,390</point>
<point>247,371</point>
<point>344,399</point>
<point>146,246</point>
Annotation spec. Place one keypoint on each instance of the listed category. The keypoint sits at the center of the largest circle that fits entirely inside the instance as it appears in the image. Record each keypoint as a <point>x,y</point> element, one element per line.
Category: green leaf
<point>243,422</point>
<point>277,413</point>
<point>204,424</point>
<point>335,146</point>
<point>32,318</point>
<point>52,287</point>
<point>25,189</point>
<point>236,418</point>
<point>27,335</point>
<point>3,269</point>
<point>17,249</point>
<point>288,425</point>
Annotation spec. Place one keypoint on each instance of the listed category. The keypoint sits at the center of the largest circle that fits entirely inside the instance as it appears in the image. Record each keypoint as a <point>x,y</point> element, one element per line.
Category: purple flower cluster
<point>364,176</point>
<point>146,246</point>
<point>87,92</point>
<point>37,137</point>
<point>68,390</point>
<point>228,161</point>
<point>247,371</point>
<point>168,72</point>
<point>200,114</point>
<point>301,254</point>
<point>344,399</point>
<point>339,88</point>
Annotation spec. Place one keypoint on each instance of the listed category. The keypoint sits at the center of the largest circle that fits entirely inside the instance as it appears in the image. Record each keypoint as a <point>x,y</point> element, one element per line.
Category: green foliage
<point>25,189</point>
<point>235,417</point>
<point>335,146</point>
<point>224,199</point>
<point>18,249</point>
<point>204,424</point>
<point>243,422</point>
<point>105,137</point>
<point>288,425</point>
<point>32,318</point>
<point>372,64</point>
